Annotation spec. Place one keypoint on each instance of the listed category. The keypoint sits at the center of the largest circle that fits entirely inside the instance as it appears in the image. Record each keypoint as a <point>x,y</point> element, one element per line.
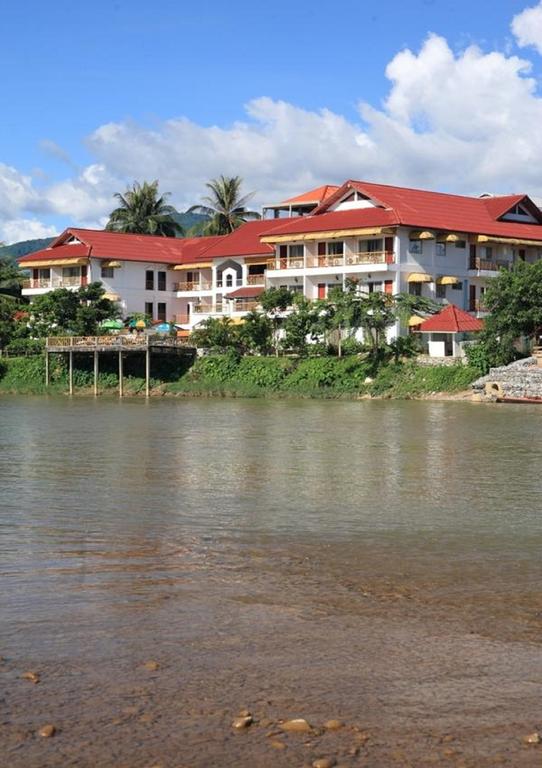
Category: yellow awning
<point>237,320</point>
<point>112,263</point>
<point>442,237</point>
<point>414,320</point>
<point>508,240</point>
<point>328,234</point>
<point>422,235</point>
<point>419,277</point>
<point>54,263</point>
<point>193,267</point>
<point>111,296</point>
<point>448,280</point>
<point>257,262</point>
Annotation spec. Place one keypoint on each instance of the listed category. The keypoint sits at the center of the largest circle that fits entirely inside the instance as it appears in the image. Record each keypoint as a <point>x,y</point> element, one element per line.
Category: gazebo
<point>447,329</point>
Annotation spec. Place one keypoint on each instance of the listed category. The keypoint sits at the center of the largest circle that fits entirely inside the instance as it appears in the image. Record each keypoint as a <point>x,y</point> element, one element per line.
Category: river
<point>165,564</point>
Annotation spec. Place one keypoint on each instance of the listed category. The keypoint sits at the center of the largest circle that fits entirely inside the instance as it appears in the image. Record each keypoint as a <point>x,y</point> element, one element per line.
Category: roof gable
<point>451,319</point>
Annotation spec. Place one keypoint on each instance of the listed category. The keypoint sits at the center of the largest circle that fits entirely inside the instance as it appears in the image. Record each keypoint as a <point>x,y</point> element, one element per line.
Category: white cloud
<point>24,229</point>
<point>463,121</point>
<point>527,27</point>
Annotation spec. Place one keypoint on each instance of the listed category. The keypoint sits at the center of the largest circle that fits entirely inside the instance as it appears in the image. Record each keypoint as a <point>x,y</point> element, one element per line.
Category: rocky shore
<point>520,379</point>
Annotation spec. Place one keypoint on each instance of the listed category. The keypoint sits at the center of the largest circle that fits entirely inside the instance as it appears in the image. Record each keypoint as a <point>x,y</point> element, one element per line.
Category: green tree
<point>11,279</point>
<point>216,333</point>
<point>256,332</point>
<point>74,312</point>
<point>301,324</point>
<point>275,302</point>
<point>225,206</point>
<point>144,211</point>
<point>514,300</point>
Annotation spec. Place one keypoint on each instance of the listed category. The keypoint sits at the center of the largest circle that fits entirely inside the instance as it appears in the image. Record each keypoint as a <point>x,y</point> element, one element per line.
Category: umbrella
<point>162,328</point>
<point>112,325</point>
<point>137,323</point>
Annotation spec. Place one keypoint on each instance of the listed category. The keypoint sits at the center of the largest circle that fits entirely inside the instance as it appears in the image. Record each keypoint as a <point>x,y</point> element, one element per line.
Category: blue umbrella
<point>162,328</point>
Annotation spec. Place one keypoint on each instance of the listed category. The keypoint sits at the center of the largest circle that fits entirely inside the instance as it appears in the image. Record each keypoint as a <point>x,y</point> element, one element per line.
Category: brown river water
<point>167,564</point>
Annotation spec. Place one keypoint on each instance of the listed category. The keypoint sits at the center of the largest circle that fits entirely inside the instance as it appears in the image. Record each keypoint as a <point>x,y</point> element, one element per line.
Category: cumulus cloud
<point>462,121</point>
<point>527,27</point>
<point>24,229</point>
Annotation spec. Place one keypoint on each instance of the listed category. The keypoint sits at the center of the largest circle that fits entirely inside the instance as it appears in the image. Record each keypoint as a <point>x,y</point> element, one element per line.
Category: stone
<point>324,762</point>
<point>333,725</point>
<point>266,722</point>
<point>532,738</point>
<point>46,731</point>
<point>241,722</point>
<point>244,713</point>
<point>32,676</point>
<point>151,666</point>
<point>277,744</point>
<point>298,725</point>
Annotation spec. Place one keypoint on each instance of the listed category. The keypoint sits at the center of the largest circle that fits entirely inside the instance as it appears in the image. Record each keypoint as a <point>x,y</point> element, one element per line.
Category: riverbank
<point>231,376</point>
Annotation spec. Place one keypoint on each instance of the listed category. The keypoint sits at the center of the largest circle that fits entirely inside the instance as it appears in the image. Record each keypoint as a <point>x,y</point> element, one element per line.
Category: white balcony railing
<point>54,282</point>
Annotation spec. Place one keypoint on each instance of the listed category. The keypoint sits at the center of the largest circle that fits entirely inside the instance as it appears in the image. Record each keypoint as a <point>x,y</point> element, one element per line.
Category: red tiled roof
<point>100,244</point>
<point>316,196</point>
<point>451,319</point>
<point>249,292</point>
<point>335,220</point>
<point>245,241</point>
<point>436,210</point>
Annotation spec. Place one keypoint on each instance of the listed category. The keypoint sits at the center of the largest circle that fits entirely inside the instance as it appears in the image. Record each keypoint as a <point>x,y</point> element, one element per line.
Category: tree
<point>11,279</point>
<point>256,332</point>
<point>225,206</point>
<point>74,312</point>
<point>216,333</point>
<point>143,211</point>
<point>274,302</point>
<point>343,311</point>
<point>300,323</point>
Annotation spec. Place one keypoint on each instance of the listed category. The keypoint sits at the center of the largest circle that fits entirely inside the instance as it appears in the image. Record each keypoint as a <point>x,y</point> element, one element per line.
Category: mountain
<point>16,250</point>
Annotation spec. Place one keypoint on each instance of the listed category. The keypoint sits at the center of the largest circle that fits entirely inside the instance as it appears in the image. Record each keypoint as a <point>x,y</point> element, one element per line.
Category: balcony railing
<point>256,279</point>
<point>477,305</point>
<point>370,257</point>
<point>194,285</point>
<point>203,308</point>
<point>244,306</point>
<point>335,260</point>
<point>235,283</point>
<point>285,264</point>
<point>487,265</point>
<point>54,282</point>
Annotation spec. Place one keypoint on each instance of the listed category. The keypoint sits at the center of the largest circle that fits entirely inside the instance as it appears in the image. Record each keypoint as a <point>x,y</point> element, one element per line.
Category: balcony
<point>487,265</point>
<point>285,264</point>
<point>207,308</point>
<point>234,284</point>
<point>256,279</point>
<point>195,285</point>
<point>477,305</point>
<point>54,282</point>
<point>371,257</point>
<point>244,306</point>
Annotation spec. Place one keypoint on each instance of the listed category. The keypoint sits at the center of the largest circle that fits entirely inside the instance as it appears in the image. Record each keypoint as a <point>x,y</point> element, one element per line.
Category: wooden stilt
<point>147,372</point>
<point>96,363</point>
<point>46,368</point>
<point>70,371</point>
<point>121,374</point>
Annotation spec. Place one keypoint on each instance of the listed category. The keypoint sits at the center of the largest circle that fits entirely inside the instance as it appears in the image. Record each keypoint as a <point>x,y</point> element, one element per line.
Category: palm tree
<point>225,206</point>
<point>143,211</point>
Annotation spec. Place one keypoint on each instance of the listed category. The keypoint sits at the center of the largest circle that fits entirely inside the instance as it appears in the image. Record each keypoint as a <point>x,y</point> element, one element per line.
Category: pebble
<point>244,713</point>
<point>32,676</point>
<point>299,725</point>
<point>151,666</point>
<point>266,722</point>
<point>242,722</point>
<point>333,725</point>
<point>532,738</point>
<point>277,744</point>
<point>324,762</point>
<point>47,731</point>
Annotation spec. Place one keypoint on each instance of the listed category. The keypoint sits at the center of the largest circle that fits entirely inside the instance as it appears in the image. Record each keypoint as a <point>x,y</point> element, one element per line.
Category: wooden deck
<point>118,343</point>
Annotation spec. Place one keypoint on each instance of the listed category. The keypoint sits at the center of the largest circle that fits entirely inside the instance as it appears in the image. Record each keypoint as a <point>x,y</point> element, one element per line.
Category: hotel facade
<point>386,238</point>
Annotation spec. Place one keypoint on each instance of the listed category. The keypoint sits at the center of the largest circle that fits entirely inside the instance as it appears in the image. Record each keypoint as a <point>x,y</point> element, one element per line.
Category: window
<point>415,289</point>
<point>161,281</point>
<point>295,288</point>
<point>335,248</point>
<point>457,286</point>
<point>416,246</point>
<point>107,272</point>
<point>149,309</point>
<point>370,246</point>
<point>488,252</point>
<point>71,272</point>
<point>161,311</point>
<point>440,291</point>
<point>149,280</point>
<point>229,281</point>
<point>296,251</point>
<point>461,244</point>
<point>441,250</point>
<point>375,287</point>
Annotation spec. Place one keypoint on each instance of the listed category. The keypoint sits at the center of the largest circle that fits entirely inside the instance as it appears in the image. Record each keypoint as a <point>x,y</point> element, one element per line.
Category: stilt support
<point>96,364</point>
<point>46,368</point>
<point>147,372</point>
<point>70,371</point>
<point>121,376</point>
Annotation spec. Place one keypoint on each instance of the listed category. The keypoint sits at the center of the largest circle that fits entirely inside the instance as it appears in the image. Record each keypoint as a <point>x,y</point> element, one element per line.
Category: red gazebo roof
<point>451,319</point>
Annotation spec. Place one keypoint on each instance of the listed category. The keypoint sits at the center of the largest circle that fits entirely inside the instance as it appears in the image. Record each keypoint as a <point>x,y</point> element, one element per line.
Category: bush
<point>216,369</point>
<point>344,374</point>
<point>20,347</point>
<point>265,372</point>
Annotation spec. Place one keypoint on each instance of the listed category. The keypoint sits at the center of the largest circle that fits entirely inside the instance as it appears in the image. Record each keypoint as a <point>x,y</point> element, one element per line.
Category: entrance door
<point>322,290</point>
<point>472,298</point>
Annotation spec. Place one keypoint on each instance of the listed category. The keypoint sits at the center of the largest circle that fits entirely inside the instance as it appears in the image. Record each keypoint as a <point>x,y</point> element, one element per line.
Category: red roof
<point>245,241</point>
<point>100,244</point>
<point>249,292</point>
<point>451,319</point>
<point>315,196</point>
<point>431,210</point>
<point>352,219</point>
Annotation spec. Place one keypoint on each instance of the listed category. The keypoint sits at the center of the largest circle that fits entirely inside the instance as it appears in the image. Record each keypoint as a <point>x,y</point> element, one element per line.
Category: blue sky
<point>95,95</point>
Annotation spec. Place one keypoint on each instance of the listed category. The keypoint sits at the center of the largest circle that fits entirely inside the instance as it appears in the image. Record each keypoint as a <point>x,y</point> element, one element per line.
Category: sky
<point>439,94</point>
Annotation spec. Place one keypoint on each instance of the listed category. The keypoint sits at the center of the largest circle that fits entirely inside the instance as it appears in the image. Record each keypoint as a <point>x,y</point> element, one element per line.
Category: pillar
<point>70,371</point>
<point>121,380</point>
<point>147,371</point>
<point>96,364</point>
<point>46,367</point>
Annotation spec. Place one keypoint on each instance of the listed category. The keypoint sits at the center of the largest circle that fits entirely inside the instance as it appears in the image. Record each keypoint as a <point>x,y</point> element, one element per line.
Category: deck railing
<point>194,285</point>
<point>487,265</point>
<point>119,341</point>
<point>335,260</point>
<point>54,282</point>
<point>256,279</point>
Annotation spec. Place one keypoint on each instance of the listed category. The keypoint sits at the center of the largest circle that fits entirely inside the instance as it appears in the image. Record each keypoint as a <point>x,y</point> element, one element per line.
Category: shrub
<point>265,372</point>
<point>20,347</point>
